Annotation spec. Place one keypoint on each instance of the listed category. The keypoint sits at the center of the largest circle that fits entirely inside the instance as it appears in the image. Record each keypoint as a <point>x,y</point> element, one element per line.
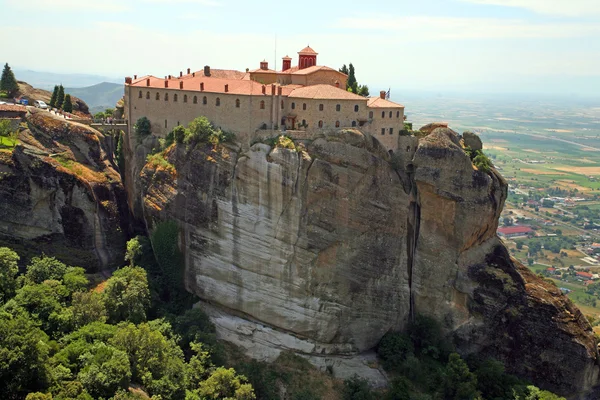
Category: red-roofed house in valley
<point>306,97</point>
<point>586,276</point>
<point>512,231</point>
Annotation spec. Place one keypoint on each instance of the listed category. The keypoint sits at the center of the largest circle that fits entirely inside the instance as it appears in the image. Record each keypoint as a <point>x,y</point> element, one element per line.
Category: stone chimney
<point>201,86</point>
<point>170,76</point>
<point>226,88</point>
<point>382,94</point>
<point>135,77</point>
<point>264,65</point>
<point>147,81</point>
<point>264,89</point>
<point>180,74</point>
<point>180,85</point>
<point>166,83</point>
<point>128,80</point>
<point>287,63</point>
<point>273,88</point>
<point>194,74</point>
<point>207,70</point>
<point>188,71</point>
<point>279,90</point>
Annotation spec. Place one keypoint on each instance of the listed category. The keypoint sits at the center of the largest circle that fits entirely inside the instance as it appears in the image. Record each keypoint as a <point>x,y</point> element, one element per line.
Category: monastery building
<point>306,97</point>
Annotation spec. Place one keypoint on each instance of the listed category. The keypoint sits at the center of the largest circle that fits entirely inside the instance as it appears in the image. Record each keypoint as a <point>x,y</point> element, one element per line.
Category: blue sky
<point>547,46</point>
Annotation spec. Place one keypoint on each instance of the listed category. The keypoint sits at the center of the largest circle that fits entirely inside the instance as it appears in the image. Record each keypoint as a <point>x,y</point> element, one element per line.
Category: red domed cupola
<point>308,57</point>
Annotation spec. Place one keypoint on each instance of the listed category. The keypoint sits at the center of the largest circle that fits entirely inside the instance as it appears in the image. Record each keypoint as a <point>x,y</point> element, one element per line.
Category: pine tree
<point>68,106</point>
<point>351,82</point>
<point>344,69</point>
<point>60,99</point>
<point>54,96</point>
<point>8,82</point>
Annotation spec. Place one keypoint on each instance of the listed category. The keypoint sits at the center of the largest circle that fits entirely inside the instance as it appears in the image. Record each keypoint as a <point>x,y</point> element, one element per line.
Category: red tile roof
<point>584,274</point>
<point>307,50</point>
<point>312,70</point>
<point>13,108</point>
<point>211,85</point>
<point>324,92</point>
<point>286,57</point>
<point>378,102</point>
<point>509,230</point>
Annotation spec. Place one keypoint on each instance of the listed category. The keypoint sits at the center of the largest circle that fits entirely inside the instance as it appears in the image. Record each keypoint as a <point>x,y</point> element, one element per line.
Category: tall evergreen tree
<point>352,83</point>
<point>60,98</point>
<point>68,106</point>
<point>8,82</point>
<point>344,69</point>
<point>54,96</point>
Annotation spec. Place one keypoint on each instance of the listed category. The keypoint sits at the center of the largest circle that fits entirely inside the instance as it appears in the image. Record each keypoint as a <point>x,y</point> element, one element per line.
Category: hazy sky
<point>550,46</point>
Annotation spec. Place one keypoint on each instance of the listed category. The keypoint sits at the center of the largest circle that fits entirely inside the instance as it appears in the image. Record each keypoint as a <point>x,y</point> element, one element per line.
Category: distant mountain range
<point>47,80</point>
<point>98,97</point>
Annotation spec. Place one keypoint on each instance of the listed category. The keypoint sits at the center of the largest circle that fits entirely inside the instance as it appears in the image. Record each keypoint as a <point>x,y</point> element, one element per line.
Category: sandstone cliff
<point>325,250</point>
<point>61,195</point>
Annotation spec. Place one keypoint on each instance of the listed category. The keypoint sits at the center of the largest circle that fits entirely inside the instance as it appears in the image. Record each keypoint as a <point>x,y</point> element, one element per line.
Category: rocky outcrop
<point>472,140</point>
<point>30,93</point>
<point>61,195</point>
<point>325,250</point>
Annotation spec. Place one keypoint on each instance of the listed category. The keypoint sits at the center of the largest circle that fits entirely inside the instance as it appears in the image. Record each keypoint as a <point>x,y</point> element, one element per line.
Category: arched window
<point>166,96</point>
<point>371,114</point>
<point>204,100</point>
<point>397,114</point>
<point>321,107</point>
<point>303,122</point>
<point>356,108</point>
<point>175,97</point>
<point>293,106</point>
<point>237,103</point>
<point>157,96</point>
<point>390,114</point>
<point>147,95</point>
<point>185,98</point>
<point>320,124</point>
<point>282,104</point>
<point>354,122</point>
<point>195,100</point>
<point>304,106</point>
<point>338,107</point>
<point>140,95</point>
<point>262,104</point>
<point>337,124</point>
<point>218,102</point>
<point>383,114</point>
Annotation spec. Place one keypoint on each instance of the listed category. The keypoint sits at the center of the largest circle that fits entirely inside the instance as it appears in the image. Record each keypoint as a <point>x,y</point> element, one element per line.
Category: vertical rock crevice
<point>413,222</point>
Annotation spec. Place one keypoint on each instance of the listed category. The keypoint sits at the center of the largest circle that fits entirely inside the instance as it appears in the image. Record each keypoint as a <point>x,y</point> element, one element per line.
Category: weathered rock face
<point>324,251</point>
<point>61,195</point>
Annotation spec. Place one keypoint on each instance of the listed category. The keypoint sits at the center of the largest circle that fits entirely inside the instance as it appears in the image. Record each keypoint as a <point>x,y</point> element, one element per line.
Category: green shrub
<point>158,160</point>
<point>482,162</point>
<point>393,349</point>
<point>142,127</point>
<point>356,388</point>
<point>428,339</point>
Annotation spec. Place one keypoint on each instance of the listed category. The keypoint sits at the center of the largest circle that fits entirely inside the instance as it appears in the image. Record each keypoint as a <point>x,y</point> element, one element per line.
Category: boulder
<point>472,140</point>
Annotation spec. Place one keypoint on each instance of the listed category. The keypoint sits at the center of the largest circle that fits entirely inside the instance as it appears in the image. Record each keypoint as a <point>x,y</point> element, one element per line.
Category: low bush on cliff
<point>424,365</point>
<point>142,127</point>
<point>158,160</point>
<point>479,159</point>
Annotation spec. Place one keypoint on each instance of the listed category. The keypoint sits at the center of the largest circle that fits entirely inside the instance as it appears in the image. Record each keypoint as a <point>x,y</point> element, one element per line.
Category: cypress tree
<point>68,106</point>
<point>351,82</point>
<point>8,82</point>
<point>54,96</point>
<point>60,98</point>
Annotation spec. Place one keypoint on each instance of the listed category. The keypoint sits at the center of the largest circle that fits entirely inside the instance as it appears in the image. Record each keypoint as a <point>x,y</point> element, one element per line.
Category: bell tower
<point>308,57</point>
<point>287,63</point>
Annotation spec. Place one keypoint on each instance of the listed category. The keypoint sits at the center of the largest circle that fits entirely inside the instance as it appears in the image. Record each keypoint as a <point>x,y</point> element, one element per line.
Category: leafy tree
<point>155,359</point>
<point>8,82</point>
<point>363,90</point>
<point>427,337</point>
<point>60,97</point>
<point>459,382</point>
<point>5,128</point>
<point>68,105</point>
<point>106,369</point>
<point>70,390</point>
<point>44,268</point>
<point>23,356</point>
<point>225,384</point>
<point>126,295</point>
<point>393,350</point>
<point>134,250</point>
<point>75,280</point>
<point>8,273</point>
<point>200,130</point>
<point>142,127</point>
<point>87,307</point>
<point>519,244</point>
<point>39,396</point>
<point>180,133</point>
<point>356,388</point>
<point>54,97</point>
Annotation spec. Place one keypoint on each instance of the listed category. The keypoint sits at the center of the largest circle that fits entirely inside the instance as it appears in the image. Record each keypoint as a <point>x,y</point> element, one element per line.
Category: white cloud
<point>570,8</point>
<point>109,6</point>
<point>435,28</point>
